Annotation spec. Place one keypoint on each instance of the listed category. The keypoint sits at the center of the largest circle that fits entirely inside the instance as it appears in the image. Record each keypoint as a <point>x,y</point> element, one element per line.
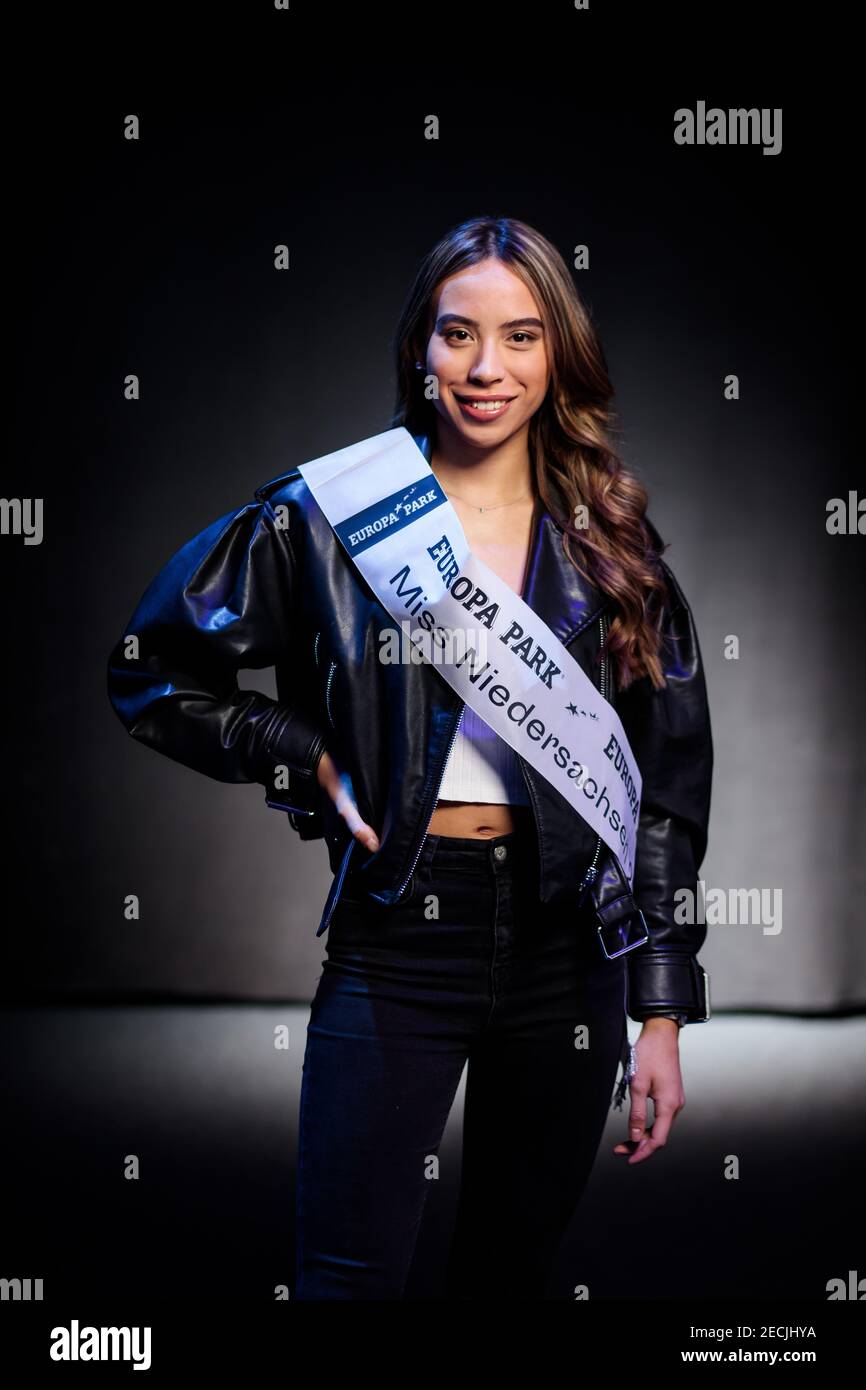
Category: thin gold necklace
<point>495,508</point>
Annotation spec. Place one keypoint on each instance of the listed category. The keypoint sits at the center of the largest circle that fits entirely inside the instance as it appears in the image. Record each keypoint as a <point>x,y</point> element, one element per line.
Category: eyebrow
<point>473,323</point>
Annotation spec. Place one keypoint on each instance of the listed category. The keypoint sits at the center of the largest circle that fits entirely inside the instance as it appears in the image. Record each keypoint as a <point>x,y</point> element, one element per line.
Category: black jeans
<point>469,967</point>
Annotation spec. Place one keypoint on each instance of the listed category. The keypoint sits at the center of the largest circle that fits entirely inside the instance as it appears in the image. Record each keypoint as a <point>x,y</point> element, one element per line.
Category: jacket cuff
<point>290,766</point>
<point>662,982</point>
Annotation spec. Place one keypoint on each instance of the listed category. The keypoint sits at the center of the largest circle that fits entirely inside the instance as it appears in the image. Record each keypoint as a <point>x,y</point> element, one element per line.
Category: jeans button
<point>500,852</point>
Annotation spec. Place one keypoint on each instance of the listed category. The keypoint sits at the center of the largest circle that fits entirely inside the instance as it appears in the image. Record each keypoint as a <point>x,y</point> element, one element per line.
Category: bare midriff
<point>472,820</point>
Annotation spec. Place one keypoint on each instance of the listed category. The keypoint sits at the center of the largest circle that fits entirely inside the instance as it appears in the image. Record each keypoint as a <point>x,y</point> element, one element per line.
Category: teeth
<point>486,405</point>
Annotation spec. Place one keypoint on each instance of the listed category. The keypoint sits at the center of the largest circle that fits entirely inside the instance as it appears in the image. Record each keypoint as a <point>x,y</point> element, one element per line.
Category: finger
<point>656,1137</point>
<point>642,1151</point>
<point>637,1120</point>
<point>367,835</point>
<point>663,1118</point>
<point>358,826</point>
<point>344,802</point>
<point>630,1149</point>
<point>637,1115</point>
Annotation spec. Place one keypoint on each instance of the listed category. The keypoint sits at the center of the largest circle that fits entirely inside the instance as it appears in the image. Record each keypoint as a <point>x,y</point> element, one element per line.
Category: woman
<point>472,910</point>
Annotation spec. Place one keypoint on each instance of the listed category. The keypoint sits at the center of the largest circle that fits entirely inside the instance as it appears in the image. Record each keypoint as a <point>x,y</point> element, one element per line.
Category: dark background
<point>156,258</point>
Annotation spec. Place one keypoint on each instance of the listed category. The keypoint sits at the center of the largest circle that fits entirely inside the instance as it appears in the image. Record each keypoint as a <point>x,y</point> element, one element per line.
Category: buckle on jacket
<point>623,935</point>
<point>706,1014</point>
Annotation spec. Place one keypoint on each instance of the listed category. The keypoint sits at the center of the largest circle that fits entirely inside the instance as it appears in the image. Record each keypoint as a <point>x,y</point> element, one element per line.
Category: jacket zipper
<point>590,875</point>
<point>331,672</point>
<point>432,804</point>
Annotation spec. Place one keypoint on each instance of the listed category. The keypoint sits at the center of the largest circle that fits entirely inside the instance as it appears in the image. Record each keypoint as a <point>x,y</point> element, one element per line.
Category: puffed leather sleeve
<point>670,736</point>
<point>225,601</point>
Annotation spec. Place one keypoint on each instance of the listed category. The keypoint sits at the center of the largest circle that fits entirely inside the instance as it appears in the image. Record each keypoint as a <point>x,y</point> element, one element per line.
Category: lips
<point>484,406</point>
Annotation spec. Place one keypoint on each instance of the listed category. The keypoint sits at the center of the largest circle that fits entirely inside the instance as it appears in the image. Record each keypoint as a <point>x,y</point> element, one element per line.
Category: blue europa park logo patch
<point>357,533</point>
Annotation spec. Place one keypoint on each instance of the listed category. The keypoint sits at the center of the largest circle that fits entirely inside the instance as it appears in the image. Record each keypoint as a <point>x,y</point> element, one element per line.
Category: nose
<point>487,366</point>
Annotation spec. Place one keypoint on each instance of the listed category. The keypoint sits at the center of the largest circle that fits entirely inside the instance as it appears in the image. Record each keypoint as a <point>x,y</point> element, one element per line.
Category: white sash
<point>392,517</point>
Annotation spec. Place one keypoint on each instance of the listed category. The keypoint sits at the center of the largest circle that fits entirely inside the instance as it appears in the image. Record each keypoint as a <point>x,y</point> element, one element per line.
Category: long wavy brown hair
<point>572,457</point>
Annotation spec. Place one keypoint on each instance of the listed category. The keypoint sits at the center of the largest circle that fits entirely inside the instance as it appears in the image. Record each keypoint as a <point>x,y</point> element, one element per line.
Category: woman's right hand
<point>335,784</point>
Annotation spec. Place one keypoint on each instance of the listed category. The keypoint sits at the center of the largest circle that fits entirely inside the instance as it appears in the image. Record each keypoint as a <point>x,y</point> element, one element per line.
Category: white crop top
<point>482,766</point>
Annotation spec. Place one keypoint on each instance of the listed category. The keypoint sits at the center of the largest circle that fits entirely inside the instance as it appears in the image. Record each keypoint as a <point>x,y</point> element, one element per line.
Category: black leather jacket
<point>269,584</point>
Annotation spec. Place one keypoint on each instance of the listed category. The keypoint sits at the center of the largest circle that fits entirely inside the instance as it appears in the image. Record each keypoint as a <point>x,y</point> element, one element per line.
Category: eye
<point>520,335</point>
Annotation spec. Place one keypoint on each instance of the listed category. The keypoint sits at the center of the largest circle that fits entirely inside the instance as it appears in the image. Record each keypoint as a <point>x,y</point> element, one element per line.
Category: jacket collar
<point>554,589</point>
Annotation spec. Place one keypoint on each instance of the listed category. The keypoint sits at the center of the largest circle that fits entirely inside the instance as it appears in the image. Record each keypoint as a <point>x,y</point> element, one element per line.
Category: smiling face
<point>489,353</point>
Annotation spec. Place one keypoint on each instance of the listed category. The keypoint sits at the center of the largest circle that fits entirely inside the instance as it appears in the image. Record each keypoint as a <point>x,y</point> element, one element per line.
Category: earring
<point>419,366</point>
